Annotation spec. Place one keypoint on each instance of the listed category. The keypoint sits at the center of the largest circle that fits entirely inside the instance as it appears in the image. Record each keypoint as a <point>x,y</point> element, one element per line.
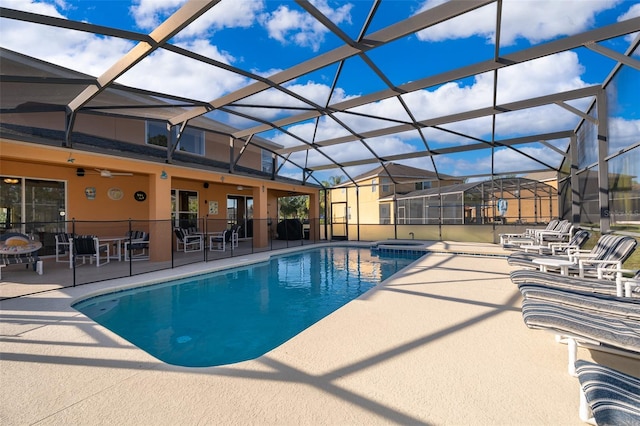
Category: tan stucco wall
<point>27,160</point>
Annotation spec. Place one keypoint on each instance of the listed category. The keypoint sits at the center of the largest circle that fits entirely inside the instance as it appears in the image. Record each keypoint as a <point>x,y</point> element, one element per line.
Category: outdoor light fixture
<point>240,187</point>
<point>80,172</point>
<point>11,180</point>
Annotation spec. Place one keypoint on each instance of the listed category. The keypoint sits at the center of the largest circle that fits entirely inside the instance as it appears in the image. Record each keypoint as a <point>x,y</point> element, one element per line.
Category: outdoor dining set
<point>134,245</point>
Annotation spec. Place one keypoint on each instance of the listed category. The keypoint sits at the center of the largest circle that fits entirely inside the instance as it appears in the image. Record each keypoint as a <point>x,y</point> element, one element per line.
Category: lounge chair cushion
<point>564,282</point>
<point>614,397</point>
<point>589,325</point>
<point>607,305</point>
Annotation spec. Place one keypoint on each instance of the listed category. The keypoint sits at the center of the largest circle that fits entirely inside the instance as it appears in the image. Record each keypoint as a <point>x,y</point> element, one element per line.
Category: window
<point>192,140</point>
<point>423,185</point>
<point>374,185</point>
<point>157,134</point>
<point>385,183</point>
<point>34,207</point>
<point>184,208</point>
<point>385,214</point>
<point>267,163</point>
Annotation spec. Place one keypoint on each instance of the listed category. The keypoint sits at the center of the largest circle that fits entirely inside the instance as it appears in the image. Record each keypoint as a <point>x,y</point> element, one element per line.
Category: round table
<point>9,251</point>
<point>30,247</point>
<point>563,264</point>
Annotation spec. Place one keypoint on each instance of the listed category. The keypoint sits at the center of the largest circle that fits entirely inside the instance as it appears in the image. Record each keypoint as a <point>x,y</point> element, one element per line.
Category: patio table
<point>117,246</point>
<point>537,247</point>
<point>7,252</point>
<point>558,263</point>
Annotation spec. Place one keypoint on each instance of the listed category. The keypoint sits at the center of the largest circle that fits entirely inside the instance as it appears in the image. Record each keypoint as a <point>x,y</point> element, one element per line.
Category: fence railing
<point>122,253</point>
<point>125,256</point>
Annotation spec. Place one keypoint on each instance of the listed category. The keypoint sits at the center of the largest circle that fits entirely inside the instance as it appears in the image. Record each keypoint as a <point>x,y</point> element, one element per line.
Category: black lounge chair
<point>218,240</point>
<point>609,324</point>
<point>88,246</point>
<point>137,249</point>
<point>607,396</point>
<point>188,242</point>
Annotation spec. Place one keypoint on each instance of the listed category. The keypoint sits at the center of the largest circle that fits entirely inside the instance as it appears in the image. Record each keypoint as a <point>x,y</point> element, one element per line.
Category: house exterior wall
<point>156,179</point>
<point>365,202</point>
<point>134,131</point>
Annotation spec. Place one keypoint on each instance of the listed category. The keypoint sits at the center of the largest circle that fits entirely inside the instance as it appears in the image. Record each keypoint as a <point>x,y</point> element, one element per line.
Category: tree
<point>333,181</point>
<point>296,206</point>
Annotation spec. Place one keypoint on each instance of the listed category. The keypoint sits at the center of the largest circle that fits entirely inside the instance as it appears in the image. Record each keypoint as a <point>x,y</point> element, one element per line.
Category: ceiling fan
<point>109,174</point>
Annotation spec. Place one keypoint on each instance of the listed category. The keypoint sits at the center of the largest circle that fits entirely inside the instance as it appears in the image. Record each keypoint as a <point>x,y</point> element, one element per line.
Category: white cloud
<point>35,7</point>
<point>148,14</point>
<point>533,20</point>
<point>166,72</point>
<point>633,12</point>
<point>505,161</point>
<point>557,73</point>
<point>80,51</point>
<point>162,71</point>
<point>623,133</point>
<point>287,25</point>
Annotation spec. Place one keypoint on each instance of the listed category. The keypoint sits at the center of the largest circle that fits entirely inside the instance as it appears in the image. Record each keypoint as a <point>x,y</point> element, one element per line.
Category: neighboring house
<point>504,200</point>
<point>371,195</point>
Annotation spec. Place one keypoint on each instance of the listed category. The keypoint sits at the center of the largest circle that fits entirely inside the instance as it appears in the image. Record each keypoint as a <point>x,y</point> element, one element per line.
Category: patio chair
<point>218,240</point>
<point>621,286</point>
<point>63,246</point>
<point>556,248</point>
<point>88,246</point>
<point>526,237</point>
<point>608,254</point>
<point>607,396</point>
<point>188,242</point>
<point>137,249</point>
<point>525,257</point>
<point>235,235</point>
<point>561,233</point>
<point>604,323</point>
<point>614,255</point>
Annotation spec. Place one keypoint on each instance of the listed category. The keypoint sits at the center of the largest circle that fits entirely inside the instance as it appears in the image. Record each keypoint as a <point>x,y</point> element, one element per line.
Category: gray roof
<point>506,184</point>
<point>402,172</point>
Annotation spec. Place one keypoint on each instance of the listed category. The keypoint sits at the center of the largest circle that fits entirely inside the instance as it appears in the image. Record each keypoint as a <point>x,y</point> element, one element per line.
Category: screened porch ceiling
<point>386,114</point>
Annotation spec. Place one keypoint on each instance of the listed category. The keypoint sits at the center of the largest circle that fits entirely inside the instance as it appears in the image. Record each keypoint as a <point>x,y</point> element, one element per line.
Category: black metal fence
<point>122,253</point>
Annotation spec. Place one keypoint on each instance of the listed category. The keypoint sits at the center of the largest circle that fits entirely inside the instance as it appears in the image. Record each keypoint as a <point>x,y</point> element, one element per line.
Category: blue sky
<point>264,37</point>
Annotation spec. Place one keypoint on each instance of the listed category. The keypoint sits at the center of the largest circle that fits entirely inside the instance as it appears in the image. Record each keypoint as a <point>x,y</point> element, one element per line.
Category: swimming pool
<point>241,313</point>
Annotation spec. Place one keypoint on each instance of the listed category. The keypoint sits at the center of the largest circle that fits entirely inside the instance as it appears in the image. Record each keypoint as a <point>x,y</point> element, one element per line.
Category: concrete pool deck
<point>442,342</point>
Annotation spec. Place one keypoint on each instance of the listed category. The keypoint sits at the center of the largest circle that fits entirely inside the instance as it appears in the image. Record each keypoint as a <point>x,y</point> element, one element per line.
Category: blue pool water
<point>241,313</point>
